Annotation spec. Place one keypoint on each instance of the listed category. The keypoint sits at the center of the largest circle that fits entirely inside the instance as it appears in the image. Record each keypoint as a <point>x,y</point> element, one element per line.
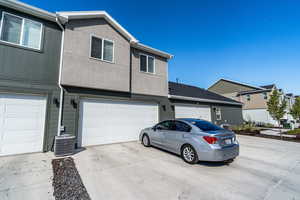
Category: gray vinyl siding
<point>229,115</point>
<point>34,72</point>
<point>32,66</point>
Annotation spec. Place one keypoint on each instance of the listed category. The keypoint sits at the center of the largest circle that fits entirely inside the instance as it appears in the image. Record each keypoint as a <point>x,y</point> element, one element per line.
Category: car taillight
<point>210,140</point>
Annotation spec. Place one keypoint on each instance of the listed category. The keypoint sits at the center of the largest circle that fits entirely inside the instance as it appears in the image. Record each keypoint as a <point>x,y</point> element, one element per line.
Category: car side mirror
<point>158,128</point>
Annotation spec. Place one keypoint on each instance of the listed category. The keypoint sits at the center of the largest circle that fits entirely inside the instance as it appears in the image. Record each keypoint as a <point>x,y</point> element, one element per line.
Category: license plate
<point>228,141</point>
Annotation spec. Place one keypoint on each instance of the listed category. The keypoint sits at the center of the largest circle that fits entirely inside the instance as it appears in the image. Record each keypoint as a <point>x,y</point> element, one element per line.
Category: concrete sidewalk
<point>276,132</point>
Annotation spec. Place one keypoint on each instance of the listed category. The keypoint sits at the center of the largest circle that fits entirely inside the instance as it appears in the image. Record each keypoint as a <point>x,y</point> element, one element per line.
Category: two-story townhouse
<point>30,44</point>
<point>254,99</point>
<point>113,85</point>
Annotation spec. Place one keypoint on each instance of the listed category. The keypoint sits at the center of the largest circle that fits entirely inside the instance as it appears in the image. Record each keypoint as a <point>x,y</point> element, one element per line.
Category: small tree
<point>295,110</point>
<point>276,107</point>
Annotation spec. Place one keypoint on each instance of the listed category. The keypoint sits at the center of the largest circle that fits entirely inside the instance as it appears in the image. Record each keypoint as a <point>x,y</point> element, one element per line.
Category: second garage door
<point>199,112</point>
<point>106,121</point>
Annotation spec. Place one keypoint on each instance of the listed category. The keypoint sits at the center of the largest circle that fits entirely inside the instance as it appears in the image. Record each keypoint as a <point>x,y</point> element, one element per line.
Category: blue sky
<point>255,42</point>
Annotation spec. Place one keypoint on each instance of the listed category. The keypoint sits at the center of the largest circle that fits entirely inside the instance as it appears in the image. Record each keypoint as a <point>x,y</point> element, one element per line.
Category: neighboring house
<point>30,44</point>
<point>254,99</point>
<point>290,100</point>
<point>113,85</point>
<point>190,101</point>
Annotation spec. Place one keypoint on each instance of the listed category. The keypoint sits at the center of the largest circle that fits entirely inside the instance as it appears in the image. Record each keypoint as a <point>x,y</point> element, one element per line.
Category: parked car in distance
<point>193,139</point>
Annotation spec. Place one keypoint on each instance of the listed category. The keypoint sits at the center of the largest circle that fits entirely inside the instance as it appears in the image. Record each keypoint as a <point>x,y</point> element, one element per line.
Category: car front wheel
<point>189,154</point>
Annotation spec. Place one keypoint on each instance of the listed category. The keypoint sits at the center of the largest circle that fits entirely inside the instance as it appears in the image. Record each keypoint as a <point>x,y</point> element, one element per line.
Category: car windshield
<point>204,125</point>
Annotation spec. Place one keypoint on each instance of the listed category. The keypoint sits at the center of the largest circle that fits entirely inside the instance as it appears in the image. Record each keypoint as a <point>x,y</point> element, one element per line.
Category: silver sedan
<point>193,139</point>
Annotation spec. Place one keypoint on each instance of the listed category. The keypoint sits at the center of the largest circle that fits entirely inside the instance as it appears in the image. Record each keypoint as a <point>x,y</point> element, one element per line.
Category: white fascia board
<point>98,14</point>
<point>203,100</point>
<point>151,50</point>
<point>28,9</point>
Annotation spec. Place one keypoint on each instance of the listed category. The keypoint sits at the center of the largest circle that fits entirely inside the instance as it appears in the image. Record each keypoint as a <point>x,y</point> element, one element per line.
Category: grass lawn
<point>294,132</point>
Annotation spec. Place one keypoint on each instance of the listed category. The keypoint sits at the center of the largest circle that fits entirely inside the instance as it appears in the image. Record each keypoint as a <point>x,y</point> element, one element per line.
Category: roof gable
<point>224,86</point>
<point>98,14</point>
<point>70,15</point>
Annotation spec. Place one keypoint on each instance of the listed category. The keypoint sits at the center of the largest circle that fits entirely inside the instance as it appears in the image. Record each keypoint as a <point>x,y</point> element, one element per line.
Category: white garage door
<point>107,121</point>
<point>200,112</point>
<point>22,122</point>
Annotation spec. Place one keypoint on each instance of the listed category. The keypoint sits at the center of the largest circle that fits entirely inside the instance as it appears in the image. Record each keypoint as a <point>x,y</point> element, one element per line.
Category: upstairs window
<point>102,49</point>
<point>248,97</point>
<point>147,63</point>
<point>265,95</point>
<point>20,31</point>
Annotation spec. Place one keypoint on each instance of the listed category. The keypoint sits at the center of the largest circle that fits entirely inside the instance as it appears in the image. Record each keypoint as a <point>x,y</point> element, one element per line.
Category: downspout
<point>61,98</point>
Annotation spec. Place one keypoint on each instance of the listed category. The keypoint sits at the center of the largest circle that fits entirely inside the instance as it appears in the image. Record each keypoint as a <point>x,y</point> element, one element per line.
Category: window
<point>147,63</point>
<point>180,126</point>
<point>218,113</point>
<point>265,95</point>
<point>248,97</point>
<point>102,49</point>
<point>21,31</point>
<point>166,125</point>
<point>204,125</point>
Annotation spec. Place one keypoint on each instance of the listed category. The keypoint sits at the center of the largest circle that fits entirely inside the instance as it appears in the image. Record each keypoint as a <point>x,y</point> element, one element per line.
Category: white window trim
<point>22,31</point>
<point>102,49</point>
<point>147,68</point>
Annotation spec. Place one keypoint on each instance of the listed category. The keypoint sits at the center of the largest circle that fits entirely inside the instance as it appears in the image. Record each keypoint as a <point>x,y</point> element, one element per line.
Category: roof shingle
<point>184,90</point>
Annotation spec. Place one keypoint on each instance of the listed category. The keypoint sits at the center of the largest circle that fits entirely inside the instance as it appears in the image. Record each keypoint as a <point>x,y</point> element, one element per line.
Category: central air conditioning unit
<point>64,145</point>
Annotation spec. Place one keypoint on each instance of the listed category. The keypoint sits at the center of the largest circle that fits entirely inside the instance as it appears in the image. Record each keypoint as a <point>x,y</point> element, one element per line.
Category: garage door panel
<point>186,111</point>
<point>22,122</point>
<point>104,122</point>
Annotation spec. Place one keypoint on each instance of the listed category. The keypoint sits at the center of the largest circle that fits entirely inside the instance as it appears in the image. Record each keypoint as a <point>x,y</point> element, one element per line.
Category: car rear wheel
<point>189,154</point>
<point>146,140</point>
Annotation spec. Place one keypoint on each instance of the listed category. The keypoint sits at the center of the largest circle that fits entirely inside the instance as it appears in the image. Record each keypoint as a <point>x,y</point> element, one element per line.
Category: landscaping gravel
<point>67,183</point>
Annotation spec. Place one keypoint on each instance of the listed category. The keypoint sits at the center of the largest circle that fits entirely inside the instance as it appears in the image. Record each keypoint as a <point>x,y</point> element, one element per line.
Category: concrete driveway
<point>27,176</point>
<point>266,169</point>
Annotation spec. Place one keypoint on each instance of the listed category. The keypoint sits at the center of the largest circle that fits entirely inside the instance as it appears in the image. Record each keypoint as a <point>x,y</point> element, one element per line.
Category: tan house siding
<point>257,101</point>
<point>148,83</point>
<point>81,70</point>
<point>225,87</point>
<point>232,96</point>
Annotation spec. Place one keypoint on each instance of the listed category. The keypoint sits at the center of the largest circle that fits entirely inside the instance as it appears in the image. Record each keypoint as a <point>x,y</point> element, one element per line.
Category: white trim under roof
<point>28,9</point>
<point>151,50</point>
<point>203,100</point>
<point>98,14</point>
